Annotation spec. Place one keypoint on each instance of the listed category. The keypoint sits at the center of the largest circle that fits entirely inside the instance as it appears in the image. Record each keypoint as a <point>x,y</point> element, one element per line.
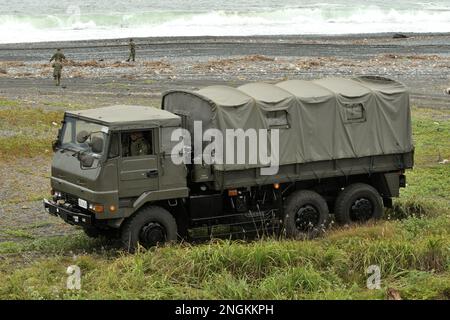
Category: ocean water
<point>56,20</point>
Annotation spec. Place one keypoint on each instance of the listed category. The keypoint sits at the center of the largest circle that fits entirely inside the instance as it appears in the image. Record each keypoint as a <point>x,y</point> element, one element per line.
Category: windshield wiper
<point>63,149</point>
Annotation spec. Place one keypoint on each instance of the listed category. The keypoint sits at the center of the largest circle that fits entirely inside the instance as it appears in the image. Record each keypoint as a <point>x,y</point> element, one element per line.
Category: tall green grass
<point>413,256</point>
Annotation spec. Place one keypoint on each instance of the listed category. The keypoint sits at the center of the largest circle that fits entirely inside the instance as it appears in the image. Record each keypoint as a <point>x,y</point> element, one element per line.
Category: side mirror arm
<point>56,143</point>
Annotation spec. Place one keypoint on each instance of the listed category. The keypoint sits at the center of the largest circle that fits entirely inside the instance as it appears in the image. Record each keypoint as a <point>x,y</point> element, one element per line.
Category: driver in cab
<point>139,145</point>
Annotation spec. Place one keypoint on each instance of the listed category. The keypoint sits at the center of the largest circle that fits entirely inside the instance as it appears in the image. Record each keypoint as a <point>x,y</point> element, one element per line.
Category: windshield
<point>94,133</point>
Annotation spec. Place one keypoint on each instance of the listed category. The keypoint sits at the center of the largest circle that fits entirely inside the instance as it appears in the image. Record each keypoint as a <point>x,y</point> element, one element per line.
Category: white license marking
<point>82,203</point>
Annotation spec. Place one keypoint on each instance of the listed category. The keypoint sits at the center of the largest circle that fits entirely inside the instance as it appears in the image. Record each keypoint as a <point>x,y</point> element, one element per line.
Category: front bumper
<point>69,215</point>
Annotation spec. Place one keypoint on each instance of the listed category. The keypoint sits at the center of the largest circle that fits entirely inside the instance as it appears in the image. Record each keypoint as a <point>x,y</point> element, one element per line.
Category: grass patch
<point>31,131</point>
<point>29,197</point>
<point>65,105</point>
<point>431,132</point>
<point>35,117</point>
<point>332,267</point>
<point>54,245</point>
<point>20,233</point>
<point>9,103</point>
<point>24,146</point>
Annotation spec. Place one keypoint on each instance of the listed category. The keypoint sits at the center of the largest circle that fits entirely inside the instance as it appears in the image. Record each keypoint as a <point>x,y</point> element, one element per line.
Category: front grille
<point>72,201</point>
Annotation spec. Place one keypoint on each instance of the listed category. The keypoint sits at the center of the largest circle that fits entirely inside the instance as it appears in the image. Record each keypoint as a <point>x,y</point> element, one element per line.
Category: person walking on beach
<point>57,66</point>
<point>58,56</point>
<point>57,69</point>
<point>132,55</point>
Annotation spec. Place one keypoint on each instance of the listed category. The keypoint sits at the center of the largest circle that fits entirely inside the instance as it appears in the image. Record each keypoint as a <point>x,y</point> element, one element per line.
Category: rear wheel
<point>149,227</point>
<point>358,202</point>
<point>306,213</point>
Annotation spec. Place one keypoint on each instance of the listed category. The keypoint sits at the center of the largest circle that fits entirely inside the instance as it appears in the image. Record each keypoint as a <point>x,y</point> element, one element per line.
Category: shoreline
<point>222,39</point>
<point>357,46</point>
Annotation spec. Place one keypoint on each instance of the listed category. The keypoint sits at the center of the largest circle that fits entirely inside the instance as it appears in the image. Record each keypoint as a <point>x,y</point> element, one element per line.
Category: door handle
<point>152,173</point>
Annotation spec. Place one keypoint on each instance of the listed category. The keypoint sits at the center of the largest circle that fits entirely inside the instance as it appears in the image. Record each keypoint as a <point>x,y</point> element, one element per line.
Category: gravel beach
<point>98,67</point>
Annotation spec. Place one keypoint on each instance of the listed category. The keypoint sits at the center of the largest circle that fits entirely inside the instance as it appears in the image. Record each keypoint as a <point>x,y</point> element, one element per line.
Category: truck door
<point>138,167</point>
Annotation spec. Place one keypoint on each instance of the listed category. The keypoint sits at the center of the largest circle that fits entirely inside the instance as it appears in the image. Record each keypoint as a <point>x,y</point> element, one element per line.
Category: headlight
<point>56,194</point>
<point>97,208</point>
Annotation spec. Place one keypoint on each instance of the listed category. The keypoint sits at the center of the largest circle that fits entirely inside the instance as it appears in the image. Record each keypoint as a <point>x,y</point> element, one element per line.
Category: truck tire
<point>306,213</point>
<point>358,202</point>
<point>148,227</point>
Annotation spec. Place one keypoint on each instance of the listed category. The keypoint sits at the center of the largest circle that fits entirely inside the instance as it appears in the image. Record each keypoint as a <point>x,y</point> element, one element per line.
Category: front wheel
<point>306,213</point>
<point>358,202</point>
<point>149,227</point>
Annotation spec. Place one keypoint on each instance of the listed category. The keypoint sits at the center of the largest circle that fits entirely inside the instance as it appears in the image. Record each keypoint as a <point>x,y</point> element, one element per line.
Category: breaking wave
<point>317,19</point>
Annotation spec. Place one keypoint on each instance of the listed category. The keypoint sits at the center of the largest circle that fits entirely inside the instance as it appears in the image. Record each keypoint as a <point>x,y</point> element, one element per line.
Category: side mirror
<point>56,143</point>
<point>82,136</point>
<point>97,145</point>
<point>86,160</point>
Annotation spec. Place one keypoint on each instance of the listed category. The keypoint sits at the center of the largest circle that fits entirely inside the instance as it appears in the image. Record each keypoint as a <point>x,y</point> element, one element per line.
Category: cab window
<point>114,146</point>
<point>137,143</point>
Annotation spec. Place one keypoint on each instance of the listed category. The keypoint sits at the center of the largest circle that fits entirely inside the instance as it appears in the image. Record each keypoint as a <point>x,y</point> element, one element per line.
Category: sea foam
<point>317,19</point>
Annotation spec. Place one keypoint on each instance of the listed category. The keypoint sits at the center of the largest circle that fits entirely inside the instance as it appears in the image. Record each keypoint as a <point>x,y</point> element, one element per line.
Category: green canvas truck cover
<point>326,119</point>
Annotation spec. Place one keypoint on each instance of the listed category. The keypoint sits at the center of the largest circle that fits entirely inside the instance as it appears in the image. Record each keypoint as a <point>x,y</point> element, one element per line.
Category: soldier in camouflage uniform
<point>57,69</point>
<point>139,145</point>
<point>132,55</point>
<point>58,56</point>
<point>57,66</point>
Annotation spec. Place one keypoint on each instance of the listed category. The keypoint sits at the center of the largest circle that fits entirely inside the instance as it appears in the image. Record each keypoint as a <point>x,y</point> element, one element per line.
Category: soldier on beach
<point>58,56</point>
<point>132,55</point>
<point>57,69</point>
<point>57,66</point>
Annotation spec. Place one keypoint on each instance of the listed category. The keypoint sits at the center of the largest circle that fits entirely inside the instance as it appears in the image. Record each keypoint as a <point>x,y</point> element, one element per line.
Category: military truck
<point>344,146</point>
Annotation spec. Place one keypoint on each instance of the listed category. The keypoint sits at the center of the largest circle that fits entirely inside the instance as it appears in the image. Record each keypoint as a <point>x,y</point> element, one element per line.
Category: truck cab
<point>108,162</point>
